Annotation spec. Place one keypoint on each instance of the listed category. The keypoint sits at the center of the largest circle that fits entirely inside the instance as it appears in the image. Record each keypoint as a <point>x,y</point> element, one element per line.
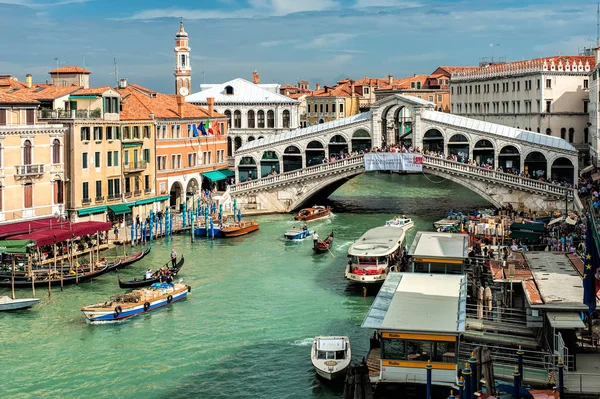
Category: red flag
<point>214,128</point>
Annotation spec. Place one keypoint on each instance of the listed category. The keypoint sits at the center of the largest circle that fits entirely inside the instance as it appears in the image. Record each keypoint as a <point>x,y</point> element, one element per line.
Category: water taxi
<point>331,356</point>
<point>314,213</point>
<point>404,222</point>
<point>239,228</point>
<point>7,303</point>
<point>297,233</point>
<point>125,306</point>
<point>373,254</point>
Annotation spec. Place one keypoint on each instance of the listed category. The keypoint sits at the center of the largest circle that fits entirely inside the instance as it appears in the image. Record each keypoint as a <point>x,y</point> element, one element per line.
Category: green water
<point>244,332</point>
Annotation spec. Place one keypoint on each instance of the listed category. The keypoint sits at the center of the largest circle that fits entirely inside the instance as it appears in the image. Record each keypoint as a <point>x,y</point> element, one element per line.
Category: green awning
<point>162,198</point>
<point>146,201</point>
<point>217,175</point>
<point>16,246</point>
<point>120,209</point>
<point>92,210</point>
<point>134,144</point>
<point>528,227</point>
<point>524,235</point>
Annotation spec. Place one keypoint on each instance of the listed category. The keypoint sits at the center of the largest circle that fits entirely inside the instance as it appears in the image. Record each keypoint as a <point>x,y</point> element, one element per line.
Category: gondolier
<point>315,238</point>
<point>173,257</point>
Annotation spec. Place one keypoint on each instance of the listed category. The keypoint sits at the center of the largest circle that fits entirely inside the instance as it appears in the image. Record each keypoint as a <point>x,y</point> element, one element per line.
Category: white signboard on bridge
<point>393,161</point>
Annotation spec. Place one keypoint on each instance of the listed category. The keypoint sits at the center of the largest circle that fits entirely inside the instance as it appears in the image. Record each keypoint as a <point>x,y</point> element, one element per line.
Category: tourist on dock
<point>173,257</point>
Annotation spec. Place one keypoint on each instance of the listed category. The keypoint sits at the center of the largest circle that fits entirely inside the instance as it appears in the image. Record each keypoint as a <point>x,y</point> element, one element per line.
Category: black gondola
<point>146,282</point>
<point>324,245</point>
<point>129,260</point>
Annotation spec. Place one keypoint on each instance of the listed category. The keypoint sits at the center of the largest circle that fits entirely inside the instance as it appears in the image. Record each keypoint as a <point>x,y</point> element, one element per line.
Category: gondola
<point>66,280</point>
<point>324,245</point>
<point>146,282</point>
<point>129,260</point>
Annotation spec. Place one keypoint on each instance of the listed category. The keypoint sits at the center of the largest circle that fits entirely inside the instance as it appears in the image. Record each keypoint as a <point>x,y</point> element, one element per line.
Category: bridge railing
<point>298,173</point>
<point>498,176</point>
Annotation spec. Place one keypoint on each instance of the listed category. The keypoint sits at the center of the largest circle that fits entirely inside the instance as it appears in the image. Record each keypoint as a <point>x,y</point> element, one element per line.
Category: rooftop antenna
<point>57,63</point>
<point>203,77</point>
<point>492,45</point>
<point>116,72</point>
<point>598,26</point>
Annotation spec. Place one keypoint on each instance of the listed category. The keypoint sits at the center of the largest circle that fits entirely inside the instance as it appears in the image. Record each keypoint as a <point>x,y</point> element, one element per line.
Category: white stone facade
<point>594,116</point>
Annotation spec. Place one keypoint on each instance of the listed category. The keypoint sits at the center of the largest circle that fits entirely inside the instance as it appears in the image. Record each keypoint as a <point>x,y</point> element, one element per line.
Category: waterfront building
<point>70,76</point>
<point>253,110</point>
<point>594,117</point>
<point>433,252</point>
<point>331,103</point>
<point>32,171</point>
<point>545,95</point>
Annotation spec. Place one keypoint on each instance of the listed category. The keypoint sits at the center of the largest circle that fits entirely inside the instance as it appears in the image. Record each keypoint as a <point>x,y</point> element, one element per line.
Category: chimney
<point>390,79</point>
<point>28,80</point>
<point>211,105</point>
<point>255,78</point>
<point>180,101</point>
<point>318,87</point>
<point>123,83</point>
<point>352,88</point>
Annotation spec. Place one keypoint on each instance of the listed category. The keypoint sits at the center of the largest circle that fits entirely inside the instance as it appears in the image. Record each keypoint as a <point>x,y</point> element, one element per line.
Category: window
<point>115,158</point>
<point>84,160</point>
<point>146,182</point>
<point>365,90</point>
<point>549,132</point>
<point>228,115</point>
<point>85,133</point>
<point>430,98</point>
<point>29,117</point>
<point>136,132</point>
<point>114,188</point>
<point>563,133</point>
<point>146,155</point>
<point>341,108</point>
<point>586,135</point>
<point>98,189</point>
<point>85,191</point>
<point>126,135</point>
<point>229,90</point>
<point>136,185</point>
<point>439,98</point>
<point>538,84</point>
<point>28,195</point>
<point>571,134</point>
<point>412,85</point>
<point>128,186</point>
<point>261,119</point>
<point>56,151</point>
<point>418,85</point>
<point>251,124</point>
<point>548,83</point>
<point>237,119</point>
<point>585,106</point>
<point>3,117</point>
<point>518,86</point>
<point>27,156</point>
<point>332,110</point>
<point>183,60</point>
<point>109,159</point>
<point>97,133</point>
<point>109,132</point>
<point>97,159</point>
<point>117,131</point>
<point>173,160</point>
<point>549,106</point>
<point>286,117</point>
<point>585,84</point>
<point>327,108</point>
<point>270,119</point>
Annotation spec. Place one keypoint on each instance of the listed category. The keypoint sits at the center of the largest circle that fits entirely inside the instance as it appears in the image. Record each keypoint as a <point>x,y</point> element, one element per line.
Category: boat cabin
<point>330,348</point>
<point>418,318</point>
<point>434,252</point>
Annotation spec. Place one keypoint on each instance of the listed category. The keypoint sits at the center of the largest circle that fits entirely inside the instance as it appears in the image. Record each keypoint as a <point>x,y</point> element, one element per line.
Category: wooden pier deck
<point>374,363</point>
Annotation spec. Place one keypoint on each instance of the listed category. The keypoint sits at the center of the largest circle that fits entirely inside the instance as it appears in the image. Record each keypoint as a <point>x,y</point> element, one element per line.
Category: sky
<point>284,40</point>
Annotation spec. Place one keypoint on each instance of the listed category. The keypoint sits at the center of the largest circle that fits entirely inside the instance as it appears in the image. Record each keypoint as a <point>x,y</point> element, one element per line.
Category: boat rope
<point>434,182</point>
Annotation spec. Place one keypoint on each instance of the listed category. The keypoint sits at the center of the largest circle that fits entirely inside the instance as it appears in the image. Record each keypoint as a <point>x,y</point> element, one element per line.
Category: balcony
<point>86,201</point>
<point>113,197</point>
<point>128,194</point>
<point>31,171</point>
<point>70,114</point>
<point>147,190</point>
<point>134,167</point>
<point>137,193</point>
<point>100,198</point>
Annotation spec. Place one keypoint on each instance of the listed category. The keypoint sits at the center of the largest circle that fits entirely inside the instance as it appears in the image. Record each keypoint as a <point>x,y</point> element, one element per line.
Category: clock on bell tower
<point>183,69</point>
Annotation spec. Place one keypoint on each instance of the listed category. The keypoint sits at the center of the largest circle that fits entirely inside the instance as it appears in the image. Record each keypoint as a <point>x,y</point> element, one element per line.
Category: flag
<point>195,130</point>
<point>202,130</point>
<point>207,127</point>
<point>590,268</point>
<point>215,128</point>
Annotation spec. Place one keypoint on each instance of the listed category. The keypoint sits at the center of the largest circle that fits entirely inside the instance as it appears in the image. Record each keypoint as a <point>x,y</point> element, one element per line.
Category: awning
<point>146,201</point>
<point>92,210</point>
<point>565,320</point>
<point>46,237</point>
<point>11,229</point>
<point>217,175</point>
<point>553,221</point>
<point>588,168</point>
<point>595,176</point>
<point>525,235</point>
<point>85,228</point>
<point>15,246</point>
<point>528,227</point>
<point>119,209</point>
<point>133,144</point>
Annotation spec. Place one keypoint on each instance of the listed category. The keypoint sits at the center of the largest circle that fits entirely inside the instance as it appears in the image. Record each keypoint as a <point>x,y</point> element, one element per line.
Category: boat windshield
<point>340,355</point>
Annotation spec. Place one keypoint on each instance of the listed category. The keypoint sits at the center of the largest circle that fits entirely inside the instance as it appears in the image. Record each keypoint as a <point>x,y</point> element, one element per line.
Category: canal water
<point>246,329</point>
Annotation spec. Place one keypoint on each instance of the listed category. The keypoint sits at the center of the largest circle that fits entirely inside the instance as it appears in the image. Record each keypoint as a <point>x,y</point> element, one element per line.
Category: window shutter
<point>30,116</point>
<point>2,117</point>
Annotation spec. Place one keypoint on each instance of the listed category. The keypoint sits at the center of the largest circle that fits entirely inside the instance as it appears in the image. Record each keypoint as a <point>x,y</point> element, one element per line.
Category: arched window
<point>586,137</point>
<point>549,132</point>
<point>228,115</point>
<point>270,119</point>
<point>229,90</point>
<point>237,119</point>
<point>251,120</point>
<point>56,151</point>
<point>563,133</point>
<point>286,118</point>
<point>571,134</point>
<point>27,152</point>
<point>261,119</point>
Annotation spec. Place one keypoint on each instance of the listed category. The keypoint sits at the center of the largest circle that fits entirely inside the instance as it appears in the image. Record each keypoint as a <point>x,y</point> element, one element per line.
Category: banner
<point>393,161</point>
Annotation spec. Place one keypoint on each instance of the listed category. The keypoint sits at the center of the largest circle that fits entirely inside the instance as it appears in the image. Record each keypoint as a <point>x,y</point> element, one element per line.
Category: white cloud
<point>40,4</point>
<point>386,3</point>
<point>328,40</point>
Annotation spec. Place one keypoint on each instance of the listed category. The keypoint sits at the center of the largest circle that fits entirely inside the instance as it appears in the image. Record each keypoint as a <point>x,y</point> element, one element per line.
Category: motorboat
<point>297,233</point>
<point>331,356</point>
<point>315,213</point>
<point>123,307</point>
<point>374,253</point>
<point>239,228</point>
<point>7,303</point>
<point>404,222</point>
<point>144,282</point>
<point>453,219</point>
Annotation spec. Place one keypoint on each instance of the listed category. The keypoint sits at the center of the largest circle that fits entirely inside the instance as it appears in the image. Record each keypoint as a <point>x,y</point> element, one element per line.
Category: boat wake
<point>303,342</point>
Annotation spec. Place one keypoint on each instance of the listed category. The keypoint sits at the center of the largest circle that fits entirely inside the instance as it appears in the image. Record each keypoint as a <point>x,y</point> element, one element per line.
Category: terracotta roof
<point>539,62</point>
<point>296,96</point>
<point>139,101</point>
<point>11,83</point>
<point>70,69</point>
<point>44,92</point>
<point>370,82</point>
<point>92,91</point>
<point>288,86</point>
<point>404,83</point>
<point>341,90</point>
<point>16,98</point>
<point>454,69</point>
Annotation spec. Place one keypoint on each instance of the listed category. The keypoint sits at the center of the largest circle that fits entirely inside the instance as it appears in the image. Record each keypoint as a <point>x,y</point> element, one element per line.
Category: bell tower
<point>183,69</point>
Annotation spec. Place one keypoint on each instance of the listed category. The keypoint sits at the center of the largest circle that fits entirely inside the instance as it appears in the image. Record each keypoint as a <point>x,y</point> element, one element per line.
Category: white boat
<point>331,356</point>
<point>404,222</point>
<point>372,255</point>
<point>7,303</point>
<point>297,233</point>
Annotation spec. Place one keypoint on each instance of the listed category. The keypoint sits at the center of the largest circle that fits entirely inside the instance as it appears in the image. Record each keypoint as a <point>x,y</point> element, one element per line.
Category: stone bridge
<point>298,156</point>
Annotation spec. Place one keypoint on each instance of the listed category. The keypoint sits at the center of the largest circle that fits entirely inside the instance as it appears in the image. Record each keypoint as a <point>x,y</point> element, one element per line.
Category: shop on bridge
<point>509,159</point>
<point>535,165</point>
<point>292,159</point>
<point>338,145</point>
<point>361,141</point>
<point>315,153</point>
<point>247,169</point>
<point>483,153</point>
<point>269,164</point>
<point>433,140</point>
<point>459,145</point>
<point>562,170</point>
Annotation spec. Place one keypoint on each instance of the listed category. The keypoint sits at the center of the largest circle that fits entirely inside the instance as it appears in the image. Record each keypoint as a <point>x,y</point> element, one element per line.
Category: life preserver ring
<point>169,299</point>
<point>189,288</point>
<point>118,311</point>
<point>146,306</point>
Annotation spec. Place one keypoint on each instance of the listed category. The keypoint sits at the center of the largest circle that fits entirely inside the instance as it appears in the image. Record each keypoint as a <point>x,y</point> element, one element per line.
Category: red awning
<point>45,237</point>
<point>85,228</point>
<point>30,226</point>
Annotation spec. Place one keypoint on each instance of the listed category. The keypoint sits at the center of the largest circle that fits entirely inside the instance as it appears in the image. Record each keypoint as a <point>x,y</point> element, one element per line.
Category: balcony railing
<point>147,190</point>
<point>133,167</point>
<point>100,198</point>
<point>86,201</point>
<point>128,194</point>
<point>113,197</point>
<point>137,193</point>
<point>69,114</point>
<point>29,170</point>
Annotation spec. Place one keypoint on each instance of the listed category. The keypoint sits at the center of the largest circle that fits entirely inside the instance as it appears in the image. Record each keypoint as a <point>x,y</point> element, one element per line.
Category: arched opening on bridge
<point>458,145</point>
<point>292,159</point>
<point>315,153</point>
<point>338,145</point>
<point>229,147</point>
<point>483,153</point>
<point>176,190</point>
<point>269,163</point>
<point>562,170</point>
<point>403,126</point>
<point>509,159</point>
<point>251,138</point>
<point>247,169</point>
<point>433,140</point>
<point>535,165</point>
<point>237,143</point>
<point>260,137</point>
<point>361,140</point>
